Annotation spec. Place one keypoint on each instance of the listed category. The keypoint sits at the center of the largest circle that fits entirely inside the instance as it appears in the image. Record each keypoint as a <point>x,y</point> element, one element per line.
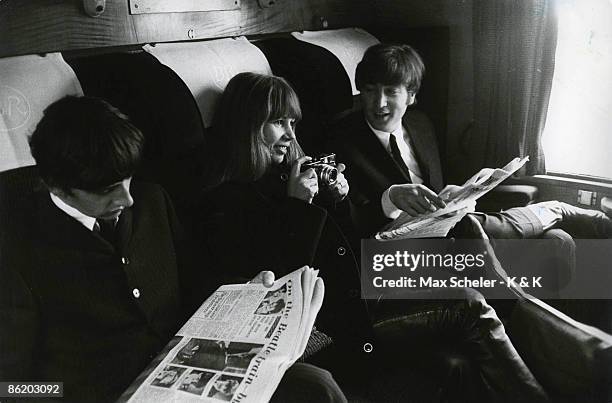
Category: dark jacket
<point>371,170</point>
<point>76,309</point>
<point>249,227</point>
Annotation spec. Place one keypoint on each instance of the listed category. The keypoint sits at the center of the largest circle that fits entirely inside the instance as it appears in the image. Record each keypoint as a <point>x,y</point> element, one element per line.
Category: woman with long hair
<point>254,134</point>
<point>263,209</point>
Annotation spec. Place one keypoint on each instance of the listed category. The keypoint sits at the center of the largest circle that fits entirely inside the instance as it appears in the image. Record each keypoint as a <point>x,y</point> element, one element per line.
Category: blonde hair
<point>248,102</point>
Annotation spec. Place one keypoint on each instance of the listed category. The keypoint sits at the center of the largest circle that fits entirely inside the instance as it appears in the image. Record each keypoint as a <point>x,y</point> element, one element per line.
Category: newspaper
<point>439,222</point>
<point>237,345</point>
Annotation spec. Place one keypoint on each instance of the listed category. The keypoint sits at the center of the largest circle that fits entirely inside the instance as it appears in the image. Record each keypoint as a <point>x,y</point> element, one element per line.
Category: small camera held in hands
<point>325,168</point>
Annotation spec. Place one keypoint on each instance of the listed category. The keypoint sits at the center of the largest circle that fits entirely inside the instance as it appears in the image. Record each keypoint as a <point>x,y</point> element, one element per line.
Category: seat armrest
<point>507,196</point>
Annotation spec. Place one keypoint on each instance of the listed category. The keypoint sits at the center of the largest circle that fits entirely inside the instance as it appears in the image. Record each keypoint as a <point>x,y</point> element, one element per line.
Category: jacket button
<point>136,293</point>
<point>125,260</point>
<point>341,251</point>
<point>284,177</point>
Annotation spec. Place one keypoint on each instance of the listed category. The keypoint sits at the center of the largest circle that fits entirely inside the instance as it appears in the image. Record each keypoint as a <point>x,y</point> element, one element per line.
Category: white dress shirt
<point>87,221</point>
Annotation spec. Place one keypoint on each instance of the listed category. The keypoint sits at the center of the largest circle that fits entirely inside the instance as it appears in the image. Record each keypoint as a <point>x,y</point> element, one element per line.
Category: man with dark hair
<point>394,165</point>
<point>373,141</point>
<point>394,160</point>
<point>95,276</point>
<point>85,143</point>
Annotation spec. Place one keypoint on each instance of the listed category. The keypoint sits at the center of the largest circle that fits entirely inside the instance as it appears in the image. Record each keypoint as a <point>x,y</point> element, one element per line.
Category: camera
<point>325,168</point>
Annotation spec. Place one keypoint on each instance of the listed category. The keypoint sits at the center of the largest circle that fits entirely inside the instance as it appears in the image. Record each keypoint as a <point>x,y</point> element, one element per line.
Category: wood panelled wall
<point>457,15</point>
<point>39,26</point>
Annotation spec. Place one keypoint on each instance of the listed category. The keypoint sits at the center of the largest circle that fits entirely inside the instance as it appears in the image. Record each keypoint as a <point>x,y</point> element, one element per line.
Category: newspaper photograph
<point>237,345</point>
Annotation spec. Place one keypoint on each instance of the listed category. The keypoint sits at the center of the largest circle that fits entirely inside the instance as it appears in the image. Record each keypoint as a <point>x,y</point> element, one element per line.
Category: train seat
<point>169,91</point>
<point>573,361</point>
<point>206,67</point>
<point>159,104</point>
<point>29,84</point>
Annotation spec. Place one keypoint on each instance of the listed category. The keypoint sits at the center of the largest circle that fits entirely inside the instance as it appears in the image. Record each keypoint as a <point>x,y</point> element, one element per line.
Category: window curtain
<point>514,53</point>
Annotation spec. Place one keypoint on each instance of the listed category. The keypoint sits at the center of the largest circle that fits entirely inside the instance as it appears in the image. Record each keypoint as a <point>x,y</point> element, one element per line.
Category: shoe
<point>580,222</point>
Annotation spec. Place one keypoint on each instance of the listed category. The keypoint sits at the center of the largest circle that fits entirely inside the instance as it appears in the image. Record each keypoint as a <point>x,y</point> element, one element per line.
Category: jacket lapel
<point>377,153</point>
<point>57,227</point>
<point>425,150</point>
<point>124,229</point>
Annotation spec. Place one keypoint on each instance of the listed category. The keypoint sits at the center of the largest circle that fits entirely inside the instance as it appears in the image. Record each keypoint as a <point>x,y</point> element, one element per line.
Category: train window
<point>577,138</point>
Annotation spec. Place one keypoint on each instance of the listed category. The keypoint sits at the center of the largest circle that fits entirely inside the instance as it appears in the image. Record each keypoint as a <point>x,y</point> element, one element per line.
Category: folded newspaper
<point>237,345</point>
<point>439,222</point>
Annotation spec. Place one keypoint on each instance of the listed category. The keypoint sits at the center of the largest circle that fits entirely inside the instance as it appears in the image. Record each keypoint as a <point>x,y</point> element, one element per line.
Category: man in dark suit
<point>385,145</point>
<point>394,162</point>
<point>94,272</point>
<point>393,165</point>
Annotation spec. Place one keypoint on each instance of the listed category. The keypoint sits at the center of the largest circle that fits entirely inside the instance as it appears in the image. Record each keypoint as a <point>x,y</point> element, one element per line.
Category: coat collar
<point>273,185</point>
<point>56,227</point>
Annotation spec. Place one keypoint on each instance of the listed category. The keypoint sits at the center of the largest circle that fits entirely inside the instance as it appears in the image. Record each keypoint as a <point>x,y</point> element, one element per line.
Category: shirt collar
<point>384,136</point>
<point>87,221</point>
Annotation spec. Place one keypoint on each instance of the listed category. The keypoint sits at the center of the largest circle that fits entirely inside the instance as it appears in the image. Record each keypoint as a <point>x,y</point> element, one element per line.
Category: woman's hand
<point>340,189</point>
<point>265,277</point>
<point>302,185</point>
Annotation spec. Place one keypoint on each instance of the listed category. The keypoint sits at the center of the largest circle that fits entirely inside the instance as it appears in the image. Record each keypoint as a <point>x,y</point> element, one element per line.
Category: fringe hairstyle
<point>85,143</point>
<point>389,64</point>
<point>237,143</point>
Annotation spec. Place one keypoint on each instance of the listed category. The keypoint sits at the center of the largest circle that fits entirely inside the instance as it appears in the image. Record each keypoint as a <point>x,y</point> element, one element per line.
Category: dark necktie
<point>107,229</point>
<point>397,157</point>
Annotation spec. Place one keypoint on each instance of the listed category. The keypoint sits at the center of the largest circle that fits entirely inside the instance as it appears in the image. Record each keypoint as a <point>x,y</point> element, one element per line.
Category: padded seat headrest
<point>160,105</point>
<point>28,84</point>
<point>320,65</point>
<point>321,68</point>
<point>207,67</point>
<point>348,45</point>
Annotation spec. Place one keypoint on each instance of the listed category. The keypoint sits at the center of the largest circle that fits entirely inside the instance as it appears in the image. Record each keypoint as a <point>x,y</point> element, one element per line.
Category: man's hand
<point>415,199</point>
<point>340,189</point>
<point>302,185</point>
<point>265,277</point>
